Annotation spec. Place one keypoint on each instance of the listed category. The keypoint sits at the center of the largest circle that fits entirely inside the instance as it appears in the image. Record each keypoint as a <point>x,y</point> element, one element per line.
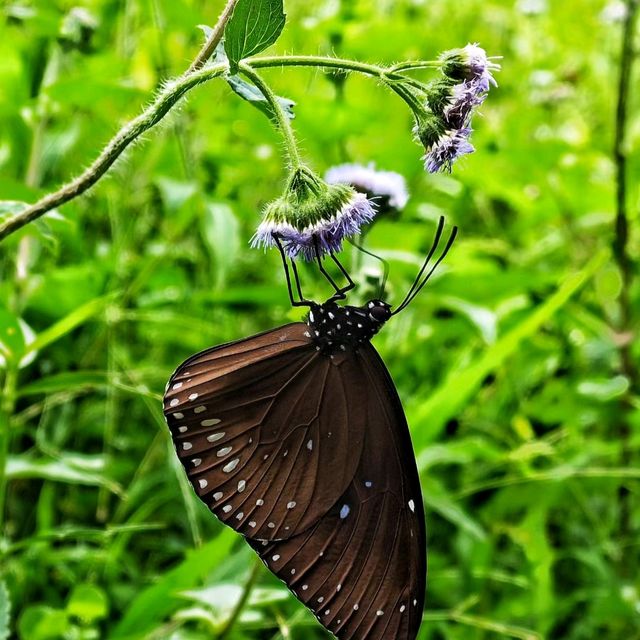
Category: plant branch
<point>214,39</point>
<point>167,99</point>
<point>284,124</point>
<point>246,593</point>
<point>626,327</point>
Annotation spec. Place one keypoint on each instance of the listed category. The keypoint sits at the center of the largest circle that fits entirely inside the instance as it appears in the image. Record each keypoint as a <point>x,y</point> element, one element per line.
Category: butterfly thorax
<point>334,328</point>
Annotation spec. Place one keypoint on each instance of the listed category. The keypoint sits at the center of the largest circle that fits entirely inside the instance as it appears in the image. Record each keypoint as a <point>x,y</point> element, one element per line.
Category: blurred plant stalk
<point>627,321</point>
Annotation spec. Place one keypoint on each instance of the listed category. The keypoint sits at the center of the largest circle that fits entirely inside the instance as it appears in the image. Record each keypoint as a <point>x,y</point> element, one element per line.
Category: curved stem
<point>165,101</point>
<point>416,65</point>
<point>627,324</point>
<point>7,406</point>
<point>284,124</point>
<point>214,39</point>
<point>389,76</point>
<point>246,593</point>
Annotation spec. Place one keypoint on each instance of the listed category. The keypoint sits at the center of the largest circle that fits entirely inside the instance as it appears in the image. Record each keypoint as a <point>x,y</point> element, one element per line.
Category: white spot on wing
<point>227,508</point>
<point>210,423</point>
<point>177,385</point>
<point>228,468</point>
<point>175,402</point>
<point>186,446</point>
<point>200,409</point>
<point>178,415</point>
<point>203,483</point>
<point>310,445</point>
<point>218,496</point>
<point>224,451</point>
<point>196,462</point>
<point>193,396</point>
<point>214,437</point>
<point>412,505</point>
<point>276,558</point>
<point>182,429</point>
<point>344,512</point>
<point>291,505</point>
<point>242,485</point>
<point>379,613</point>
<point>259,502</point>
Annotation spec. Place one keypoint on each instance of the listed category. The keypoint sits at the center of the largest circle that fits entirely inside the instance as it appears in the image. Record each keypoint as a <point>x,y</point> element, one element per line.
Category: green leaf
<point>5,612</point>
<point>222,234</point>
<point>88,602</point>
<point>460,385</point>
<point>66,381</point>
<point>158,601</point>
<point>254,25</point>
<point>43,623</point>
<point>68,323</point>
<point>69,467</point>
<point>251,94</point>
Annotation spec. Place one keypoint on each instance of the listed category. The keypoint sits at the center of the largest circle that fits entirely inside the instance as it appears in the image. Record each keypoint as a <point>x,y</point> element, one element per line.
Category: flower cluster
<point>445,127</point>
<point>312,218</point>
<point>387,189</point>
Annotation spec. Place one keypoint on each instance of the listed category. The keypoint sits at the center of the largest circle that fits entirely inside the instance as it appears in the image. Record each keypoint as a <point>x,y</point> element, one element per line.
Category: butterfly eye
<point>379,314</point>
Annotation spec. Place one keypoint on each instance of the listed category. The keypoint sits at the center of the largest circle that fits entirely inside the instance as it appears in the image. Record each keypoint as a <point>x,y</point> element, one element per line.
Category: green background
<point>526,428</point>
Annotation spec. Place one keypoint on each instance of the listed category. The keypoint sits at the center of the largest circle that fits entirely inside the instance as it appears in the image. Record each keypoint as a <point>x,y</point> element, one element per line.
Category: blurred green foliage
<point>526,428</point>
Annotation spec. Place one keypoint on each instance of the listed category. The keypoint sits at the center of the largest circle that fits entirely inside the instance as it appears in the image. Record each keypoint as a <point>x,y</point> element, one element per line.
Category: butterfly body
<point>334,327</point>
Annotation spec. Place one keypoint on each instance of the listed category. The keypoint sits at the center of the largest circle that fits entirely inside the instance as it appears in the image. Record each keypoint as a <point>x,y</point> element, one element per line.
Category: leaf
<point>5,612</point>
<point>69,467</point>
<point>68,323</point>
<point>87,602</point>
<point>43,623</point>
<point>251,94</point>
<point>254,25</point>
<point>221,232</point>
<point>459,386</point>
<point>66,381</point>
<point>158,601</point>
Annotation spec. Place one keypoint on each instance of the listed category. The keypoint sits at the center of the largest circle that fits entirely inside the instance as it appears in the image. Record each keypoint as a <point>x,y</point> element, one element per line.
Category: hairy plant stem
<point>284,124</point>
<point>627,322</point>
<point>166,99</point>
<point>214,39</point>
<point>7,407</point>
<point>197,74</point>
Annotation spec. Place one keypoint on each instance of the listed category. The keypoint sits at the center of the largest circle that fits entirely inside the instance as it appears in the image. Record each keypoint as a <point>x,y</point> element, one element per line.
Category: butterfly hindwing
<point>361,568</point>
<point>268,434</point>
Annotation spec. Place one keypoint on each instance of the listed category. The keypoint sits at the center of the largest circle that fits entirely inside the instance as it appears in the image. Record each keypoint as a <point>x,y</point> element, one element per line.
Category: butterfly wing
<point>362,567</point>
<point>260,426</point>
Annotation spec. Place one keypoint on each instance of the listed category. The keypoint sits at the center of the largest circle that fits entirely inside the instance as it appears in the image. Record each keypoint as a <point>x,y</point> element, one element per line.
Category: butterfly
<point>296,438</point>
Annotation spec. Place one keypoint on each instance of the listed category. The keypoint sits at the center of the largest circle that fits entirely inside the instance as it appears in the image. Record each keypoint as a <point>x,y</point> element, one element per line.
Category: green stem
<point>393,80</point>
<point>7,407</point>
<point>284,123</point>
<point>246,593</point>
<point>214,39</point>
<point>329,62</point>
<point>166,100</point>
<point>627,325</point>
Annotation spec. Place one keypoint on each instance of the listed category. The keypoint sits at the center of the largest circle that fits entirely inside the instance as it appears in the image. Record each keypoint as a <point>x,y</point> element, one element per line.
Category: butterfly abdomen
<point>334,328</point>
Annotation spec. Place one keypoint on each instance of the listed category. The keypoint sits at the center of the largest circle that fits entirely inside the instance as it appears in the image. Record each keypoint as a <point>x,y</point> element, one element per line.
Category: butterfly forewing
<point>251,425</point>
<point>361,568</point>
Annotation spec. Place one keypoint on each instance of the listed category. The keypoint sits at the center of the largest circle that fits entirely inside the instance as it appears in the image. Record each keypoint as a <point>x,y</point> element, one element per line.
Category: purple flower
<point>312,218</point>
<point>388,188</point>
<point>480,67</point>
<point>448,148</point>
<point>465,98</point>
<point>471,64</point>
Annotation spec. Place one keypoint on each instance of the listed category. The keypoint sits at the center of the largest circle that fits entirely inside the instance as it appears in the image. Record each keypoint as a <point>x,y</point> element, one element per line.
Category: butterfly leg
<point>339,291</point>
<point>302,302</point>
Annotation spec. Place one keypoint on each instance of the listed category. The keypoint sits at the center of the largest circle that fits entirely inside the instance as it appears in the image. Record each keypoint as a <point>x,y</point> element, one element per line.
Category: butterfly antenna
<point>419,283</point>
<point>295,303</point>
<point>385,266</point>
